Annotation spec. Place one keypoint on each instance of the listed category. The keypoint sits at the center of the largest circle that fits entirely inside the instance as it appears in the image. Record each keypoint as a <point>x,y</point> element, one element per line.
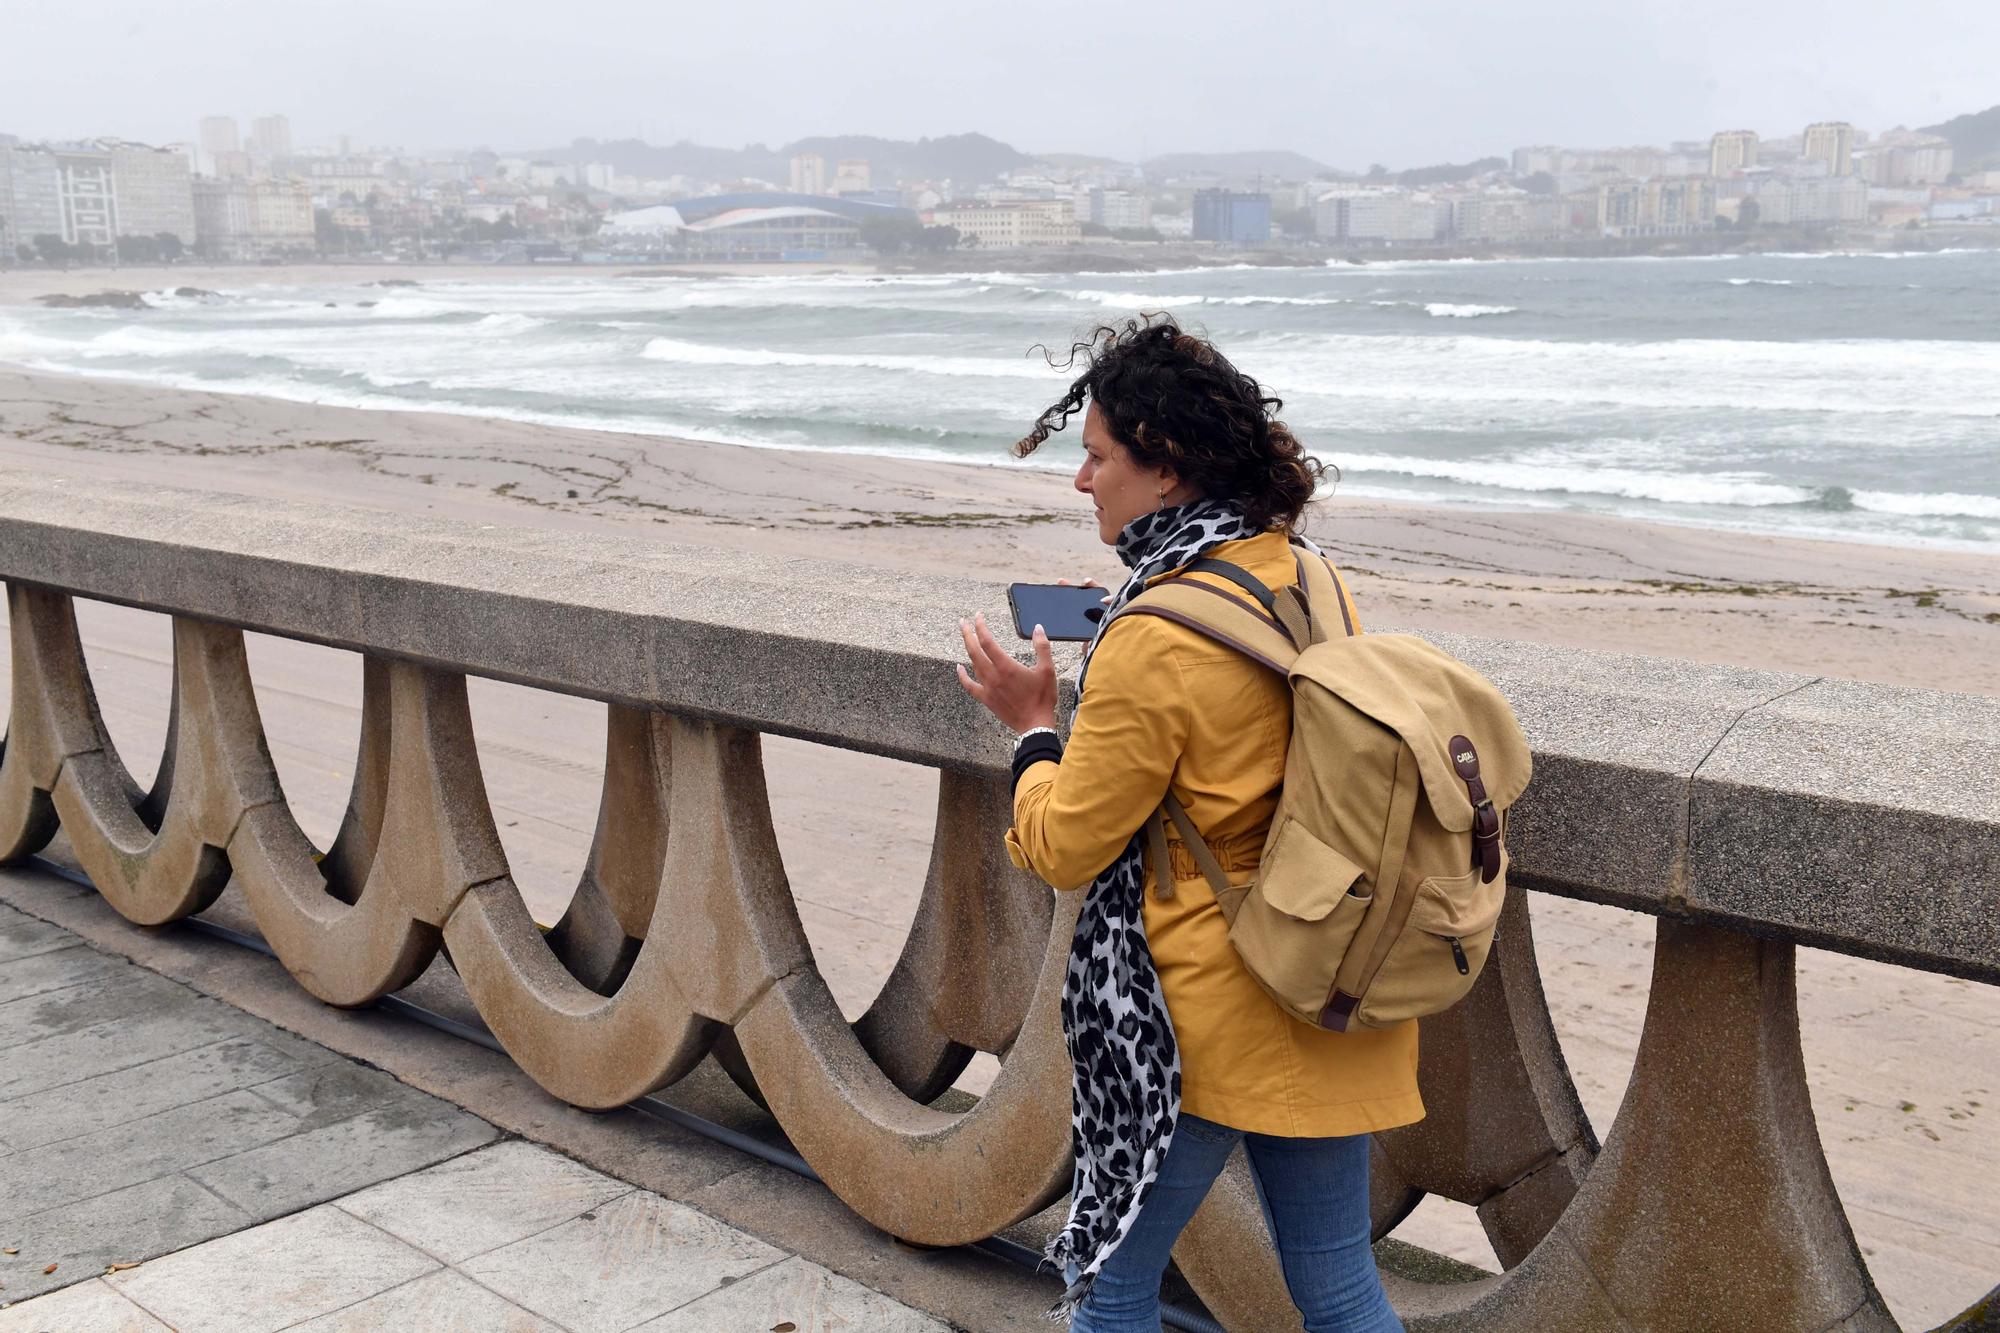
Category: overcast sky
<point>1404,83</point>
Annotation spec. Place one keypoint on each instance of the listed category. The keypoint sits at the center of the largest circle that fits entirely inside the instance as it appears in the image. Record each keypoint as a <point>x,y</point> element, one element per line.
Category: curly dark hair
<point>1174,401</point>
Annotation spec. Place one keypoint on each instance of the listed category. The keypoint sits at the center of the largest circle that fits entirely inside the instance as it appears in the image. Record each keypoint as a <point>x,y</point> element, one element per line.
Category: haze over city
<point>1347,85</point>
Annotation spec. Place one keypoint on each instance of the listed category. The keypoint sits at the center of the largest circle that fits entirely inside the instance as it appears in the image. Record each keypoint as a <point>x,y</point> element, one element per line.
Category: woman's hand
<point>1022,697</point>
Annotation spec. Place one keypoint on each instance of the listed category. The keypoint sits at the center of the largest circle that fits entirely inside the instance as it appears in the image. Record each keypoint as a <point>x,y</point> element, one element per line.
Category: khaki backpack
<point>1384,870</point>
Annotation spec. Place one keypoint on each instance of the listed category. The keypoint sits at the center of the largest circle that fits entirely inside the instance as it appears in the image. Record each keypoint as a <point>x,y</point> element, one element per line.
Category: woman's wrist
<point>1034,746</point>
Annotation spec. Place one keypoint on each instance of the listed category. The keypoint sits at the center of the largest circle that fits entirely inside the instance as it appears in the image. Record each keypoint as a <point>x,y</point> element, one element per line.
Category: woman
<point>1183,457</point>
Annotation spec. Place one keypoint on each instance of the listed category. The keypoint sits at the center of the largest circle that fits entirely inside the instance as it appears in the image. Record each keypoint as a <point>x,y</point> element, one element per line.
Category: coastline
<point>1914,616</point>
<point>20,286</point>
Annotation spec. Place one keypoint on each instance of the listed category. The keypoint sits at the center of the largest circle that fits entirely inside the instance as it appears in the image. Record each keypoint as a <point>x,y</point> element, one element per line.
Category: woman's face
<point>1119,487</point>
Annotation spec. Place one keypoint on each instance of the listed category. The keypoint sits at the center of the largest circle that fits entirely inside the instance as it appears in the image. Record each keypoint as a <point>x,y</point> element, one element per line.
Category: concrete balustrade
<point>1749,811</point>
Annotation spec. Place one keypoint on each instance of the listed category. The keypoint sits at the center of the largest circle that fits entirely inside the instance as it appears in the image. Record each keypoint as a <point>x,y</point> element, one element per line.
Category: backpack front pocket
<point>1295,924</point>
<point>1444,944</point>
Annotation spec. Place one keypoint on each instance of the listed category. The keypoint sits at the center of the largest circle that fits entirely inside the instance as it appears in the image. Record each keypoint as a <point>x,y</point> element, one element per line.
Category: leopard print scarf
<point>1125,1067</point>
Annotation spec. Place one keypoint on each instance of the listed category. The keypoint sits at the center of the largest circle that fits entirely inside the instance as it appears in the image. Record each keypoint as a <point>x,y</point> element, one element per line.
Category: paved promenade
<point>168,1161</point>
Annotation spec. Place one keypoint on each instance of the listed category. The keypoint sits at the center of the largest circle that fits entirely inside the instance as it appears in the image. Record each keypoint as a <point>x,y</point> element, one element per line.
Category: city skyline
<point>1427,83</point>
<point>244,136</point>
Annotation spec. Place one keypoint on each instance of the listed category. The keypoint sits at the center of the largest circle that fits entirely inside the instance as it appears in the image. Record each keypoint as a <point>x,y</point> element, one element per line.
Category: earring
<point>1161,503</point>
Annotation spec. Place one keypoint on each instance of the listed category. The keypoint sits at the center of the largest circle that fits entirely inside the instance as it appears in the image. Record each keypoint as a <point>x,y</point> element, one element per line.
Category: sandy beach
<point>1909,616</point>
<point>1903,1135</point>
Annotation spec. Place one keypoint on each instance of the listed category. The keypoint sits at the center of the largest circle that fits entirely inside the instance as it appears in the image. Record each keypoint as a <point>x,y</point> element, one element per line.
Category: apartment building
<point>30,195</point>
<point>1831,142</point>
<point>1811,200</point>
<point>1012,225</point>
<point>1366,215</point>
<point>1675,207</point>
<point>1121,210</point>
<point>253,219</point>
<point>1732,151</point>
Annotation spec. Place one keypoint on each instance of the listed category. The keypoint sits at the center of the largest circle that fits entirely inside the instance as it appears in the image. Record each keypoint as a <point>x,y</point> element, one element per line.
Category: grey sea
<point>1855,397</point>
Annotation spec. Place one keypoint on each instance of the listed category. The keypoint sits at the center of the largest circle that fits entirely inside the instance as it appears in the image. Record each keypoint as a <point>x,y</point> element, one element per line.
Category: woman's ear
<point>1169,487</point>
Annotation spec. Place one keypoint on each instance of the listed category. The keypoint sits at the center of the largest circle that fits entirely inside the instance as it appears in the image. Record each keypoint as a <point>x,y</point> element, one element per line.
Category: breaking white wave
<point>709,354</point>
<point>1448,309</point>
<point>1516,474</point>
<point>1947,505</point>
<point>1160,301</point>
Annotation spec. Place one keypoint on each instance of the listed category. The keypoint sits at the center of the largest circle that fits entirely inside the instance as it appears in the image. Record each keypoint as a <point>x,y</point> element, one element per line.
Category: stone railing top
<point>1857,817</point>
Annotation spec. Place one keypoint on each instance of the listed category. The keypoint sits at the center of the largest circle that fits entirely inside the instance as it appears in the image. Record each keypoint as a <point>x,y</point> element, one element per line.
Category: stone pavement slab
<point>541,1245</point>
<point>287,1175</point>
<point>126,1095</point>
<point>484,1200</point>
<point>139,1117</point>
<point>797,1216</point>
<point>83,1239</point>
<point>94,1305</point>
<point>442,1302</point>
<point>615,1266</point>
<point>273,1276</point>
<point>796,1292</point>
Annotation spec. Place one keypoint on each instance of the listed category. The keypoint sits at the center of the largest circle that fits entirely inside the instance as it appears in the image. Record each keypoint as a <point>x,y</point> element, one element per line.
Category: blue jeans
<point>1315,1197</point>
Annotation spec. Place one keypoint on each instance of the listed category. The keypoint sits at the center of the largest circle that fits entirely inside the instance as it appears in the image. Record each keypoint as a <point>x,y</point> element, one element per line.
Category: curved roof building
<point>755,225</point>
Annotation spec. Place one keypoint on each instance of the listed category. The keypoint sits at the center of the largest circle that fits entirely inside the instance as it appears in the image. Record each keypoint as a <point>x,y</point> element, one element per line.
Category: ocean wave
<point>509,321</point>
<point>1760,282</point>
<point>1948,504</point>
<point>708,354</point>
<point>1156,301</point>
<point>1734,489</point>
<point>1878,377</point>
<point>1449,309</point>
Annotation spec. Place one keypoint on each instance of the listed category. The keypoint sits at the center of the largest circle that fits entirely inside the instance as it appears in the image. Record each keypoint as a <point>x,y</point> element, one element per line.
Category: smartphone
<point>1070,614</point>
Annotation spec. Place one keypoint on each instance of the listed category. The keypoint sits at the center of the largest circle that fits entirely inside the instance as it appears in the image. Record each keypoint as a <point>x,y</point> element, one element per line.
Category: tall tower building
<point>1831,142</point>
<point>218,135</point>
<point>1732,151</point>
<point>271,136</point>
<point>808,173</point>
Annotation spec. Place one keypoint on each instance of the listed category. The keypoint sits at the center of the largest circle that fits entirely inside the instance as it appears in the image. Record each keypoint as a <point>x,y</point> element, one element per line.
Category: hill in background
<point>1273,164</point>
<point>1974,138</point>
<point>958,157</point>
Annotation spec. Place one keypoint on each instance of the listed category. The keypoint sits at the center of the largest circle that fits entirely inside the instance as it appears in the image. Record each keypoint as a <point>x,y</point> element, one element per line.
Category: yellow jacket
<point>1164,705</point>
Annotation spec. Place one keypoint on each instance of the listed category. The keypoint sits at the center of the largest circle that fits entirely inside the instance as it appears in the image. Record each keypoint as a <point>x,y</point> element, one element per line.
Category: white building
<point>1375,215</point>
<point>1919,160</point>
<point>1121,210</point>
<point>1506,215</point>
<point>1812,200</point>
<point>216,135</point>
<point>1011,226</point>
<point>808,173</point>
<point>154,192</point>
<point>30,196</point>
<point>271,137</point>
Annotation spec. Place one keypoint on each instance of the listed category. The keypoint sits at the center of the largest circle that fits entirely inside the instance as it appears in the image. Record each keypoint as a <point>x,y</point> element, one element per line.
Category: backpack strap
<point>1270,631</point>
<point>1228,896</point>
<point>1232,621</point>
<point>1239,576</point>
